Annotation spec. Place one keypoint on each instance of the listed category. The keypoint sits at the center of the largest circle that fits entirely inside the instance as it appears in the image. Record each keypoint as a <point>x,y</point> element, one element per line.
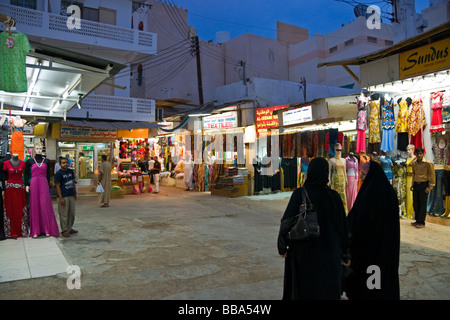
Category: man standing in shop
<point>424,180</point>
<point>104,177</point>
<point>155,171</point>
<point>66,191</point>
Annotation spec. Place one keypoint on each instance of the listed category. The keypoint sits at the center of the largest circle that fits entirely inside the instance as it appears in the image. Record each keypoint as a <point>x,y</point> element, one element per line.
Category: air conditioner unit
<point>160,115</point>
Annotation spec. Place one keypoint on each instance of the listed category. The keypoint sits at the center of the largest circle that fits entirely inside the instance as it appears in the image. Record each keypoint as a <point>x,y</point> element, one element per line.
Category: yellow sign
<point>426,59</point>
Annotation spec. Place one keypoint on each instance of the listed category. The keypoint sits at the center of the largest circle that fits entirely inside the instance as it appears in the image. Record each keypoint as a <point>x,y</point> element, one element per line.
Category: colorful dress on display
<point>363,158</point>
<point>338,181</point>
<point>436,107</point>
<point>361,124</point>
<point>402,124</point>
<point>352,180</point>
<point>42,216</point>
<point>15,204</point>
<point>374,121</point>
<point>399,184</point>
<point>409,193</point>
<point>388,125</point>
<point>416,123</point>
<point>17,142</point>
<point>13,52</point>
<point>386,164</point>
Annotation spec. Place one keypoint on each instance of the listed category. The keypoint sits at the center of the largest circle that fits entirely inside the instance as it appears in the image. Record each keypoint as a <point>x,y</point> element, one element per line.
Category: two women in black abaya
<point>313,268</point>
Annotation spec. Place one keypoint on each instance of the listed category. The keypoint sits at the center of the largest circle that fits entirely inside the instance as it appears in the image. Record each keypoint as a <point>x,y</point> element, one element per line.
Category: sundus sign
<point>426,59</point>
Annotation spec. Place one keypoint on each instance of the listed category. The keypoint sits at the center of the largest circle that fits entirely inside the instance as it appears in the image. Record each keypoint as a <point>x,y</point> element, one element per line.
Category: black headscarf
<point>313,267</point>
<point>317,173</point>
<point>375,237</point>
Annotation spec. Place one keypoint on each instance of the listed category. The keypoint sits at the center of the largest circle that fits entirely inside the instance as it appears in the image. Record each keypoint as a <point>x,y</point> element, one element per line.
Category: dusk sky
<point>260,16</point>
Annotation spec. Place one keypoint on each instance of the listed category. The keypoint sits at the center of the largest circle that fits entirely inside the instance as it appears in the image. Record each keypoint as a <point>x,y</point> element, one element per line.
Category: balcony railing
<point>52,26</point>
<point>115,108</point>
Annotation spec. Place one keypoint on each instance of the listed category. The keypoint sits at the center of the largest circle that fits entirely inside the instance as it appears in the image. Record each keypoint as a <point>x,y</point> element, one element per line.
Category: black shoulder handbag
<point>306,225</point>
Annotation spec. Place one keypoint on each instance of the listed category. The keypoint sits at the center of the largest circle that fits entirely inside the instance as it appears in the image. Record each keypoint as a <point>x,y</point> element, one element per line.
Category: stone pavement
<point>179,245</point>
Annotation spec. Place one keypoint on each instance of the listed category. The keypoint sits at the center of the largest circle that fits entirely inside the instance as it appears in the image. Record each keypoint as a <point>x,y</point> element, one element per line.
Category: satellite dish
<point>360,10</point>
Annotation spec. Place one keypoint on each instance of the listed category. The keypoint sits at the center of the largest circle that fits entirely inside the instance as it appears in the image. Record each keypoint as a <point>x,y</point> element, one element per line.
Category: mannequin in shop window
<point>15,201</point>
<point>352,179</point>
<point>399,183</point>
<point>258,179</point>
<point>386,164</point>
<point>37,178</point>
<point>338,174</point>
<point>2,229</point>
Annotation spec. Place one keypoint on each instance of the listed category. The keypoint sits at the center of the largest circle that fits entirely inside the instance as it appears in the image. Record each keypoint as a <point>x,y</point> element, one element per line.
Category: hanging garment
<point>409,193</point>
<point>386,164</point>
<point>402,117</point>
<point>352,181</point>
<point>17,142</point>
<point>258,178</point>
<point>289,166</point>
<point>388,125</point>
<point>4,142</point>
<point>15,215</point>
<point>435,202</point>
<point>417,123</point>
<point>399,184</point>
<point>13,52</point>
<point>361,124</point>
<point>436,107</point>
<point>374,121</point>
<point>42,216</point>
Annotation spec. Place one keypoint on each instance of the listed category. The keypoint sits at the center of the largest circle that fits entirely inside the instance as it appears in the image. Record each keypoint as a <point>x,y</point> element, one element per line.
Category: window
<point>388,42</point>
<point>333,49</point>
<point>90,14</point>
<point>30,4</point>
<point>67,3</point>
<point>372,39</point>
<point>348,42</point>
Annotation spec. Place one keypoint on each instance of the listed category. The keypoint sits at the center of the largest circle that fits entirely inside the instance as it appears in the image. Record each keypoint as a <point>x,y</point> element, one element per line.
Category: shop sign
<point>225,120</point>
<point>88,148</point>
<point>298,115</point>
<point>265,119</point>
<point>425,59</point>
<point>68,131</point>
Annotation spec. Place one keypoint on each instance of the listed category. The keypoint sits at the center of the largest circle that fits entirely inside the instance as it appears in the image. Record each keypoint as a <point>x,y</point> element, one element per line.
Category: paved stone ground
<point>186,245</point>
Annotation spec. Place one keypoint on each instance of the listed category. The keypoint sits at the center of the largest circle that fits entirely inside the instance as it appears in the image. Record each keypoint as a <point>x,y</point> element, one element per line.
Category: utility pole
<point>244,76</point>
<point>199,71</point>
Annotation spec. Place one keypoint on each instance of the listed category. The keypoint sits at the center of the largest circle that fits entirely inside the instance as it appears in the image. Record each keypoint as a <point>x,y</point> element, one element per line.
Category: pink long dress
<point>351,189</point>
<point>42,216</point>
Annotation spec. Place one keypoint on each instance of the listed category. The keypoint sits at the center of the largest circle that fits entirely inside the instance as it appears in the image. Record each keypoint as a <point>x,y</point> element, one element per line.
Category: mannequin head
<point>338,150</point>
<point>38,147</point>
<point>410,149</point>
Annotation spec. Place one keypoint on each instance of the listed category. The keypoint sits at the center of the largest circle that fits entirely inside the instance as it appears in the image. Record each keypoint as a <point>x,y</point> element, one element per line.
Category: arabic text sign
<point>265,119</point>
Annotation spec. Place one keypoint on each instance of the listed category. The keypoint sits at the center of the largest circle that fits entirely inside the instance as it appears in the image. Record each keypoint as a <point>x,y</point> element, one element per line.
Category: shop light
<point>34,77</point>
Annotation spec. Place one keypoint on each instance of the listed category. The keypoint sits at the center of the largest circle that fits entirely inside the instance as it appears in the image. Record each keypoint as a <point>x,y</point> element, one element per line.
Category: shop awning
<point>127,125</point>
<point>57,80</point>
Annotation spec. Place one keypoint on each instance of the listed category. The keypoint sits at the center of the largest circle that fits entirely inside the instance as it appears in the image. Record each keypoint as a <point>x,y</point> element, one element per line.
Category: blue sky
<point>260,16</point>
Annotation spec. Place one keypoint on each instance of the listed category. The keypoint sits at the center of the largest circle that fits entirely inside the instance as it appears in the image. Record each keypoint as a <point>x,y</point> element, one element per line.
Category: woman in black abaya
<point>313,267</point>
<point>374,239</point>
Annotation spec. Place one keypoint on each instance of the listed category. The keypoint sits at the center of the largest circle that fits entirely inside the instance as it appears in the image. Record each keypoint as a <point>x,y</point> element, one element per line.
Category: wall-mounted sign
<point>426,59</point>
<point>298,115</point>
<point>68,131</point>
<point>266,119</point>
<point>225,120</point>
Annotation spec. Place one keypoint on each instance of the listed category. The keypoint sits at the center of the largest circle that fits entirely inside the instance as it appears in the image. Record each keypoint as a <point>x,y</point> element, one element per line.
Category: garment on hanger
<point>13,52</point>
<point>338,180</point>
<point>363,158</point>
<point>417,123</point>
<point>4,142</point>
<point>17,142</point>
<point>361,124</point>
<point>386,164</point>
<point>388,125</point>
<point>436,124</point>
<point>374,121</point>
<point>352,180</point>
